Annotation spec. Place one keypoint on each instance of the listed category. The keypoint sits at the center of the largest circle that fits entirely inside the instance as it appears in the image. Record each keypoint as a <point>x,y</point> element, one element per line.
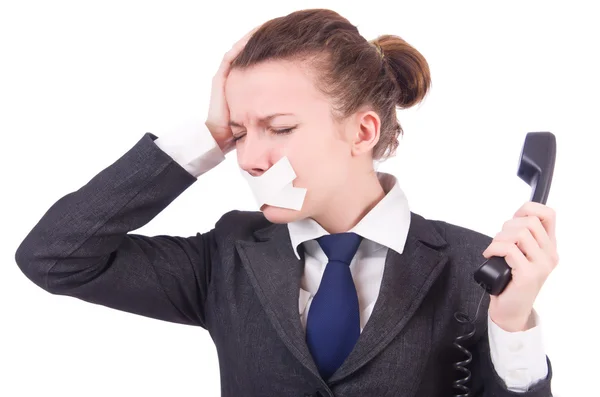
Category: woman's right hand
<point>218,111</point>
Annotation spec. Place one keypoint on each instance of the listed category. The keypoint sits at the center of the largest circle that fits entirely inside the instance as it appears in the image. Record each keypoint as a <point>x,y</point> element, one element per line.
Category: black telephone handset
<point>536,167</point>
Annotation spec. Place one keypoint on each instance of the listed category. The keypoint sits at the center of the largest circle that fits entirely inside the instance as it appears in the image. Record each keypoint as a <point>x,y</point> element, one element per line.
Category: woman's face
<point>298,125</point>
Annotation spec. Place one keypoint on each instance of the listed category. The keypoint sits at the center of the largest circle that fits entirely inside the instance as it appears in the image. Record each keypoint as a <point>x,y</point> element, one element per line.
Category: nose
<point>253,155</point>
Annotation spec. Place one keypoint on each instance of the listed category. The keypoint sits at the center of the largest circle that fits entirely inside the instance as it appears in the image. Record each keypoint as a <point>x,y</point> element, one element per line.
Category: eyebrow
<point>262,120</point>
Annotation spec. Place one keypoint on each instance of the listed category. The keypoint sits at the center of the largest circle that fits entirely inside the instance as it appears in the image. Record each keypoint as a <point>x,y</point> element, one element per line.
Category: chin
<point>280,215</point>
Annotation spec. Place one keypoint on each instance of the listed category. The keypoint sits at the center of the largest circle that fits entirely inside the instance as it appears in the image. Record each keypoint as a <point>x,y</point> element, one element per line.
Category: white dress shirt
<point>518,357</point>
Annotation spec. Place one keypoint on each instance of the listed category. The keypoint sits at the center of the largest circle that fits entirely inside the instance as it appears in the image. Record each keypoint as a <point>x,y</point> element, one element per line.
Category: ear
<point>367,125</point>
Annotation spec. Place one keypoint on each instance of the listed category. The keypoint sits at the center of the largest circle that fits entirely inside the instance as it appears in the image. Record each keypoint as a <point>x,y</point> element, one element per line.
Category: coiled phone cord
<point>460,366</point>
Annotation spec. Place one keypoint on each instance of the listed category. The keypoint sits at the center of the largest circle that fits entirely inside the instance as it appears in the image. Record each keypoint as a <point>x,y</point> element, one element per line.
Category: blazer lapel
<point>406,280</point>
<point>275,273</point>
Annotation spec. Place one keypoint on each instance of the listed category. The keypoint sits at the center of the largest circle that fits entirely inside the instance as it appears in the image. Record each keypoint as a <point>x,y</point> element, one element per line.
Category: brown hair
<point>384,73</point>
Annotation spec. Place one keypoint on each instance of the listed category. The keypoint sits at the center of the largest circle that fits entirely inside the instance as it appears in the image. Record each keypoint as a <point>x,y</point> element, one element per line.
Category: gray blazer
<point>240,281</point>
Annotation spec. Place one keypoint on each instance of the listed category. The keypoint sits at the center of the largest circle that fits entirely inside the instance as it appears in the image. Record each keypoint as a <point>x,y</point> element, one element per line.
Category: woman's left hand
<point>528,244</point>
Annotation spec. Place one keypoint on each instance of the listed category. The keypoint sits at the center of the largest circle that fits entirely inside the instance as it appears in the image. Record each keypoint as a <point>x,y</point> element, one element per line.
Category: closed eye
<point>280,131</point>
<point>283,130</point>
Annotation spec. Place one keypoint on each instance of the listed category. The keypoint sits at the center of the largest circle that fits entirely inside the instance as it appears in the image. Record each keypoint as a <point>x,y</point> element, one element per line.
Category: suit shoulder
<point>462,237</point>
<point>241,224</point>
<point>464,246</point>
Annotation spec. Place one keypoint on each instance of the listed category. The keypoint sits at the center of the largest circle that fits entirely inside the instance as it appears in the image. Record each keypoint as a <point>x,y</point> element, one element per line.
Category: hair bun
<point>407,67</point>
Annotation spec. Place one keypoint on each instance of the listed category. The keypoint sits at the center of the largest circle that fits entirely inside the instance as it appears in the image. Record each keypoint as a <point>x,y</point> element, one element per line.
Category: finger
<point>535,227</point>
<point>225,65</point>
<point>240,44</point>
<point>509,251</point>
<point>547,257</point>
<point>524,241</point>
<point>251,32</point>
<point>230,55</point>
<point>546,215</point>
<point>546,243</point>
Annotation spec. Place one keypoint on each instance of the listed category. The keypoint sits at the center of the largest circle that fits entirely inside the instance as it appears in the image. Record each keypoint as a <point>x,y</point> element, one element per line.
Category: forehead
<point>272,87</point>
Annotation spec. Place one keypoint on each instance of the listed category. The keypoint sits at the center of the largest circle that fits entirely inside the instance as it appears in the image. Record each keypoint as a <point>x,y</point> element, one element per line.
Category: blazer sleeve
<point>488,383</point>
<point>81,247</point>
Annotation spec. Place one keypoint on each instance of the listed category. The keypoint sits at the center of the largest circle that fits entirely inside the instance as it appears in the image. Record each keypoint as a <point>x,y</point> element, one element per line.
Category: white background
<point>82,81</point>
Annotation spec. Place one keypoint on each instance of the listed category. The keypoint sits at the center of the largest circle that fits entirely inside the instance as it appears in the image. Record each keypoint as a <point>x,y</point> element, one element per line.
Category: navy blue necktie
<point>333,323</point>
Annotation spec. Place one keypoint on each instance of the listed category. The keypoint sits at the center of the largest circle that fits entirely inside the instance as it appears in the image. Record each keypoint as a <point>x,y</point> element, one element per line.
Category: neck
<point>355,199</point>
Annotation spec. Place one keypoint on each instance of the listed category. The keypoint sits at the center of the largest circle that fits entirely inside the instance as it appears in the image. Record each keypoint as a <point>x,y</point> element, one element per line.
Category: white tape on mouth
<point>275,187</point>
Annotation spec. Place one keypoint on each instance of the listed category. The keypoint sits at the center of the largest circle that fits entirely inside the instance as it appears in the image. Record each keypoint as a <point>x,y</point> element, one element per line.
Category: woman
<point>376,285</point>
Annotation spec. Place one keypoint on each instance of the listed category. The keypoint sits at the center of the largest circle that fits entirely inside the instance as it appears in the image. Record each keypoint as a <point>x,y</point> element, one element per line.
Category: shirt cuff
<point>195,149</point>
<point>518,357</point>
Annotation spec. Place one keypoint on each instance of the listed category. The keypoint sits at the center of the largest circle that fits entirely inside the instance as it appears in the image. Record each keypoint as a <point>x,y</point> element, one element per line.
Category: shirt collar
<point>386,224</point>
